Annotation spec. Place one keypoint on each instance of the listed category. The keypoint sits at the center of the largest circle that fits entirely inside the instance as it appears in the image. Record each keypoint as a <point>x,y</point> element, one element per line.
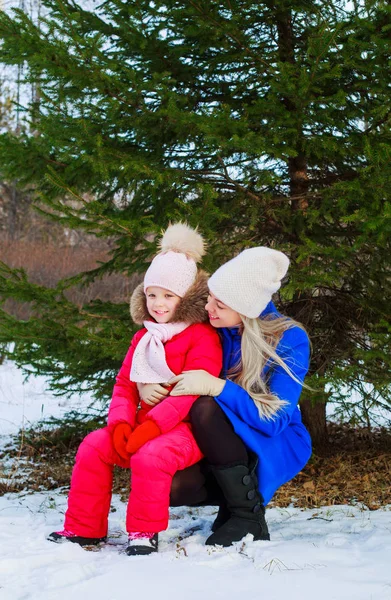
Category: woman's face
<point>220,315</point>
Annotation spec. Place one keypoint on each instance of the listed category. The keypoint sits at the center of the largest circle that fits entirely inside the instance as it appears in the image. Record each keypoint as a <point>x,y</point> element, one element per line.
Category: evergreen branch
<point>231,36</point>
<point>235,183</point>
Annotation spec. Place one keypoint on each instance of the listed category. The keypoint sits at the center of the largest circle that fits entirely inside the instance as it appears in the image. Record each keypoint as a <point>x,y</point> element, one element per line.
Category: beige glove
<point>152,393</point>
<point>196,383</point>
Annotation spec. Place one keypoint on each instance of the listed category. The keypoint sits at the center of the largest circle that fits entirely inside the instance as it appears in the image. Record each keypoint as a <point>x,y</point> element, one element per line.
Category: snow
<point>24,403</point>
<point>333,553</point>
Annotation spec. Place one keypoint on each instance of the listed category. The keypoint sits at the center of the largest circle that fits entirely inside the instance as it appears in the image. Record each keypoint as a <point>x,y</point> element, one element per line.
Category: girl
<point>247,422</point>
<point>154,441</point>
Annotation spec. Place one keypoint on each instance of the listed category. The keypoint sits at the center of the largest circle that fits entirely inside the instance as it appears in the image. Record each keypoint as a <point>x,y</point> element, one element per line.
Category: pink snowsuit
<point>154,464</point>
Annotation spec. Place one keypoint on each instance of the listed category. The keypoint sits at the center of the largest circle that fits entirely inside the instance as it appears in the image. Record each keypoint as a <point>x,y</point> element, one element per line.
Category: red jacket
<point>197,347</point>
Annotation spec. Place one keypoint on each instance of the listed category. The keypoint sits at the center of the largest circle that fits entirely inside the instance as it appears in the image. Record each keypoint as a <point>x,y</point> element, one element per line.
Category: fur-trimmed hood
<point>191,308</point>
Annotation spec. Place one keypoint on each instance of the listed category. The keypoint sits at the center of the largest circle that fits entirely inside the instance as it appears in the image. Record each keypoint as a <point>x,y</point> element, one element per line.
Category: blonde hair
<point>260,338</point>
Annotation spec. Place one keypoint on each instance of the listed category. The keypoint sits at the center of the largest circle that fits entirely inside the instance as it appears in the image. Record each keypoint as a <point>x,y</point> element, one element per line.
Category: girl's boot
<point>67,536</point>
<point>142,543</point>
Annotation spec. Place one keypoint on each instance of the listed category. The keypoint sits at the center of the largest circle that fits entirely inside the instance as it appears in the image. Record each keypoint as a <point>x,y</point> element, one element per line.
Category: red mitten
<point>140,436</point>
<point>121,433</point>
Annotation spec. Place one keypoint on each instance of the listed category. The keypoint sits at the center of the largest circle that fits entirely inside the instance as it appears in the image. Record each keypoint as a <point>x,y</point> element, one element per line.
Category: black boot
<point>239,485</point>
<point>222,517</point>
<point>65,536</point>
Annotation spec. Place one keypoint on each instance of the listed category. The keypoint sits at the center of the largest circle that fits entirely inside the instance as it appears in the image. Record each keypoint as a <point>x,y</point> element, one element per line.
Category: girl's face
<point>161,303</point>
<point>220,315</point>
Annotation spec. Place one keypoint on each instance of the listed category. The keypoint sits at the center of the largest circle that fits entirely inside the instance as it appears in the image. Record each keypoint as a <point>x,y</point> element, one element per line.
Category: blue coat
<point>283,445</point>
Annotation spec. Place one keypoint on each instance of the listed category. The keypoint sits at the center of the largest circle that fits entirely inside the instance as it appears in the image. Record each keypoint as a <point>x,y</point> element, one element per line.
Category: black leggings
<point>220,445</point>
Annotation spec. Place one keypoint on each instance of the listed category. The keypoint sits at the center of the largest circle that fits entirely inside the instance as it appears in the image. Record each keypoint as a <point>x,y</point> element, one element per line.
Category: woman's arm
<point>205,353</point>
<point>296,355</point>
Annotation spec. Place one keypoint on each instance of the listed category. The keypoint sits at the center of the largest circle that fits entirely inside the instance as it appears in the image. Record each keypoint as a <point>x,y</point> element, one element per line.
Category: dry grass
<point>355,470</point>
<point>47,262</point>
<point>42,459</point>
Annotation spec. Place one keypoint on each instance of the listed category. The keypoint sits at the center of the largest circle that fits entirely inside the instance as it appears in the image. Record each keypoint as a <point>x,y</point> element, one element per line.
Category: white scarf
<point>149,359</point>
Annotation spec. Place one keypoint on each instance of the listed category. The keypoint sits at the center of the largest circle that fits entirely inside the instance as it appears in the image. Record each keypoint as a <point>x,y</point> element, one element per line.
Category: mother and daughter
<point>205,407</point>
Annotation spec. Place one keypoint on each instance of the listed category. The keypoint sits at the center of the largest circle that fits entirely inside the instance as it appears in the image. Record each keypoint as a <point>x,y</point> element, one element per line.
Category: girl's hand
<point>196,383</point>
<point>141,435</point>
<point>152,393</point>
<point>121,434</point>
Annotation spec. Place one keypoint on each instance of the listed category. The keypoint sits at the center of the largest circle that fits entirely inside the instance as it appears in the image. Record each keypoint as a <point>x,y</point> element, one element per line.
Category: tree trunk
<point>314,413</point>
<point>314,418</point>
<point>13,212</point>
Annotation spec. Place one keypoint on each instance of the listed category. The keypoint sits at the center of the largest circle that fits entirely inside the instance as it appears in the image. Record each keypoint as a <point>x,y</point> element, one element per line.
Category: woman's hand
<point>152,393</point>
<point>196,383</point>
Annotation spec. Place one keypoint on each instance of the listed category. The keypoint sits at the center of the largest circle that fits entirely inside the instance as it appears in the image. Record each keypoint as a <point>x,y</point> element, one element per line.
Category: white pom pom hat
<point>175,267</point>
<point>247,282</point>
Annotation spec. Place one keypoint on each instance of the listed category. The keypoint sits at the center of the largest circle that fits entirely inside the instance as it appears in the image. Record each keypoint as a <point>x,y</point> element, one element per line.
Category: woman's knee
<point>203,410</point>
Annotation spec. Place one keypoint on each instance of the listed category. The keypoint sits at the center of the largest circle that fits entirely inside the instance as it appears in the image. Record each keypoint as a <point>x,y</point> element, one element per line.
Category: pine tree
<point>261,122</point>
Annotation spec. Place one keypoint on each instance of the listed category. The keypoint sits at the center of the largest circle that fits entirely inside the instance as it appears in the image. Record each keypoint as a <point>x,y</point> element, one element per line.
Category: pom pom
<point>182,238</point>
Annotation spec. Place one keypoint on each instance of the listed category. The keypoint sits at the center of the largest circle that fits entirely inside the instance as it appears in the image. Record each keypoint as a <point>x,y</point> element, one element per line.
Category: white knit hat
<point>247,282</point>
<point>175,267</point>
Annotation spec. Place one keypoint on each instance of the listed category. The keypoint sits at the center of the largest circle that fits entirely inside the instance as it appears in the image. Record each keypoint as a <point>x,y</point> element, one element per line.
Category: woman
<point>246,422</point>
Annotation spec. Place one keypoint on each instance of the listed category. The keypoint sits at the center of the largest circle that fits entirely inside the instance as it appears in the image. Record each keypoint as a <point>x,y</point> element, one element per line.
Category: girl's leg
<point>153,467</point>
<point>91,485</point>
<point>214,433</point>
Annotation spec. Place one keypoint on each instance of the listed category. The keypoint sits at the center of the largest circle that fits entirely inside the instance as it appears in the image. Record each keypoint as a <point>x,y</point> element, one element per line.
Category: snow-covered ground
<point>22,404</point>
<point>333,553</point>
